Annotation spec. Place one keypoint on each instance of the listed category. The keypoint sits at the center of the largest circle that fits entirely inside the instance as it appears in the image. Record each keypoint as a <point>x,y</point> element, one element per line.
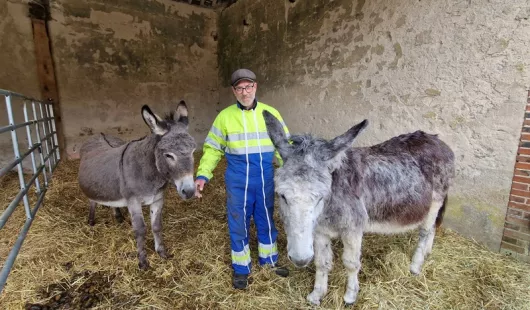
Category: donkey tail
<point>440,216</point>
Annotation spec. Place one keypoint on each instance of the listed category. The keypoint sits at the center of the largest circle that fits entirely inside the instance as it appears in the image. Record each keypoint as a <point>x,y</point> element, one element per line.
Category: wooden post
<point>40,14</point>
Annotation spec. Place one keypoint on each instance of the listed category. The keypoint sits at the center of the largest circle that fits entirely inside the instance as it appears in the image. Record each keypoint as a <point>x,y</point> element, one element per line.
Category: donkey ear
<point>341,143</point>
<point>153,121</point>
<point>181,113</point>
<point>277,134</point>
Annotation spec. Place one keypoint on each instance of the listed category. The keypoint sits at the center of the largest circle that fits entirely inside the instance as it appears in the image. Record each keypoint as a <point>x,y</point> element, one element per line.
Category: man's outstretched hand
<point>199,186</point>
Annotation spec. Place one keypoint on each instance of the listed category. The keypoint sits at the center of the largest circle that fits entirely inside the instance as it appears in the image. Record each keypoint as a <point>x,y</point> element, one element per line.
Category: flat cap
<point>242,74</point>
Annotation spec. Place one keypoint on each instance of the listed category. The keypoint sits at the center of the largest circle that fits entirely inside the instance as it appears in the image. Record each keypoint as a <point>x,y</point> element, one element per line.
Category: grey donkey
<point>329,189</point>
<point>118,174</point>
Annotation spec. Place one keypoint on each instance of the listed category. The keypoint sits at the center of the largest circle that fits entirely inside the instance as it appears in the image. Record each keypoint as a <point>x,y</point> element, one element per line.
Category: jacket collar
<point>239,105</point>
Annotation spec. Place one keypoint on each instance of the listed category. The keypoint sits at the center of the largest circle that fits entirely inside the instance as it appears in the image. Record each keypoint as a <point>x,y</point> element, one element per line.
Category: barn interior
<point>455,68</point>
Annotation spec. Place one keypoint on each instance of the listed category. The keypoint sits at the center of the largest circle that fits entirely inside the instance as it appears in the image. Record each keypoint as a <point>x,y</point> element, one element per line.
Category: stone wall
<point>455,68</point>
<point>112,57</point>
<point>18,70</point>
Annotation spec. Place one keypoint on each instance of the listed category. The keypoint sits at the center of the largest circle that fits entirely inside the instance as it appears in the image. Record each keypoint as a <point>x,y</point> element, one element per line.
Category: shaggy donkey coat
<point>118,174</point>
<point>329,189</point>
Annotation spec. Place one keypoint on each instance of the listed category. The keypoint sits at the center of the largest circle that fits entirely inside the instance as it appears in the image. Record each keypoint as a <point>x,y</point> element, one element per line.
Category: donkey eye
<point>169,156</point>
<point>283,198</point>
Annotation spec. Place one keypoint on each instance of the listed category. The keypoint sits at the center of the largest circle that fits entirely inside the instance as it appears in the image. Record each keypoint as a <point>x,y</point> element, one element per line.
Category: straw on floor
<point>66,264</point>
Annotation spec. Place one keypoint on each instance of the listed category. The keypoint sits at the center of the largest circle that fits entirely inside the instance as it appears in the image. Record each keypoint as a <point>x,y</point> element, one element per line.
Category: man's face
<point>245,92</point>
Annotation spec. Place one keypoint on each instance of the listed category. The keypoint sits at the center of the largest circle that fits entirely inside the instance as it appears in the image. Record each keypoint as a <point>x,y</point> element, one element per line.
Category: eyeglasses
<point>247,88</point>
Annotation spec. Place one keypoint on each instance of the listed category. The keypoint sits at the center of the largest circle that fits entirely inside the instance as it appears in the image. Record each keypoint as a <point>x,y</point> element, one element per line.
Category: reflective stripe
<point>267,250</point>
<point>246,182</point>
<point>213,143</point>
<point>243,143</point>
<point>241,258</point>
<point>250,135</point>
<point>263,184</point>
<point>249,149</point>
<point>216,131</point>
<point>228,122</point>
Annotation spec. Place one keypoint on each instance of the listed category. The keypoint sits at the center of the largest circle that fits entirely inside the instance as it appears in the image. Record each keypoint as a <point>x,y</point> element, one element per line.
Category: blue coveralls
<point>241,135</point>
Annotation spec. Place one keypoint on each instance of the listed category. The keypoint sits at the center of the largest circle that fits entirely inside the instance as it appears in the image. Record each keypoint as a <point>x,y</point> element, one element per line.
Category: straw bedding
<point>66,264</point>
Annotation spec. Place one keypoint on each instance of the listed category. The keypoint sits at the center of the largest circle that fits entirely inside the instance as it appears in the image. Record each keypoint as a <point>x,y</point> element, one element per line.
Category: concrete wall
<point>111,57</point>
<point>17,54</point>
<point>455,68</point>
<point>18,69</point>
<point>114,56</point>
<point>451,67</point>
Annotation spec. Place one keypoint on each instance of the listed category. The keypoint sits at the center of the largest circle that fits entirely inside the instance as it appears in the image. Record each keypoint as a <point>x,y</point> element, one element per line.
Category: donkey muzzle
<point>186,187</point>
<point>300,262</point>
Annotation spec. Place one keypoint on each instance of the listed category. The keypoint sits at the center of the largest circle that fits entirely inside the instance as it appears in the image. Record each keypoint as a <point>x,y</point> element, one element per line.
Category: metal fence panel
<point>39,123</point>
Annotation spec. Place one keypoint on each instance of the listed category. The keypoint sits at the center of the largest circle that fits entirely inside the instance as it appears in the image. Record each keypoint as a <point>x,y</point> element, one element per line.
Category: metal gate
<point>43,153</point>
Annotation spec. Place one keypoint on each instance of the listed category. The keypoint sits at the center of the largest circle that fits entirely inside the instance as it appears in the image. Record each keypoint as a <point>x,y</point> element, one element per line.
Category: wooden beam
<point>46,74</point>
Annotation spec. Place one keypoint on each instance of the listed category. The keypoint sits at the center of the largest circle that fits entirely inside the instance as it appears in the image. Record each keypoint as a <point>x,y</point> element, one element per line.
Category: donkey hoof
<point>91,222</point>
<point>313,298</point>
<point>415,270</point>
<point>348,302</point>
<point>349,299</point>
<point>143,265</point>
<point>164,254</point>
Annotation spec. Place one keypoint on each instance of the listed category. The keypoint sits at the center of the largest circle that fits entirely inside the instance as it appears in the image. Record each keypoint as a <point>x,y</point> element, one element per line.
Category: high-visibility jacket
<point>240,135</point>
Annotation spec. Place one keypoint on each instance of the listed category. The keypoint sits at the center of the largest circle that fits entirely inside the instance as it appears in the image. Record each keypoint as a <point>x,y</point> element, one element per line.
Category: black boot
<point>281,271</point>
<point>240,281</point>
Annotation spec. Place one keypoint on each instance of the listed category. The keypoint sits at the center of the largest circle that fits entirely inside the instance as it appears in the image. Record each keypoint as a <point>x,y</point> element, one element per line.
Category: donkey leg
<point>351,258</point>
<point>91,213</point>
<point>138,225</point>
<point>156,226</point>
<point>323,263</point>
<point>441,199</point>
<point>430,241</point>
<point>420,253</point>
<point>426,236</point>
<point>117,215</point>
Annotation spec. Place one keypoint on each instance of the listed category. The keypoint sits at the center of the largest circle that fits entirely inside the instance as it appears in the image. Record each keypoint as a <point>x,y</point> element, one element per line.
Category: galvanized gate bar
<point>30,143</point>
<point>4,273</point>
<point>14,139</point>
<point>21,158</point>
<point>8,128</point>
<point>37,131</point>
<point>45,128</point>
<point>50,117</point>
<point>7,213</point>
<point>11,165</point>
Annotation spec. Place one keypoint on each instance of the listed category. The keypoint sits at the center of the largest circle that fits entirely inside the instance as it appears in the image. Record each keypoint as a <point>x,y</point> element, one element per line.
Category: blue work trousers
<point>254,199</point>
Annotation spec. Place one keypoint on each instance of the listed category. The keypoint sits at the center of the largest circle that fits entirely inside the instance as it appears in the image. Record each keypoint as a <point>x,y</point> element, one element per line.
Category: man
<point>239,132</point>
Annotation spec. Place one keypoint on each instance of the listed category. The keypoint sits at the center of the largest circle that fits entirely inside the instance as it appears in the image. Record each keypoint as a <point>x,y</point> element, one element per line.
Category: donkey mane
<point>304,143</point>
<point>169,118</point>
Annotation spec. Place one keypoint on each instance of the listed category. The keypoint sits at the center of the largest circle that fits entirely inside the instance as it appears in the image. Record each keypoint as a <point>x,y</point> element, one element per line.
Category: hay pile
<point>65,263</point>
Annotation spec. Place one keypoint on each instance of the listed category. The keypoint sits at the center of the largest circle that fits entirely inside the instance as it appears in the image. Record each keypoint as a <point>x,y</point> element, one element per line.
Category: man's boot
<point>240,281</point>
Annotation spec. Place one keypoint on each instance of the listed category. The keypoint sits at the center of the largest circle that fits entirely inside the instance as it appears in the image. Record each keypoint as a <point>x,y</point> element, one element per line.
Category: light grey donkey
<point>329,189</point>
<point>118,174</point>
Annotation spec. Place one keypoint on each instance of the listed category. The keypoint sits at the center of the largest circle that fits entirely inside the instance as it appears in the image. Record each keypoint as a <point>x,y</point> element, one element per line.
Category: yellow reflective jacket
<point>241,136</point>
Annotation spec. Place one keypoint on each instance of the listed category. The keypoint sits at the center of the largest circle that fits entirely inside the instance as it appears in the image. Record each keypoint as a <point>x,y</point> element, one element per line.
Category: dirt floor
<point>67,264</point>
